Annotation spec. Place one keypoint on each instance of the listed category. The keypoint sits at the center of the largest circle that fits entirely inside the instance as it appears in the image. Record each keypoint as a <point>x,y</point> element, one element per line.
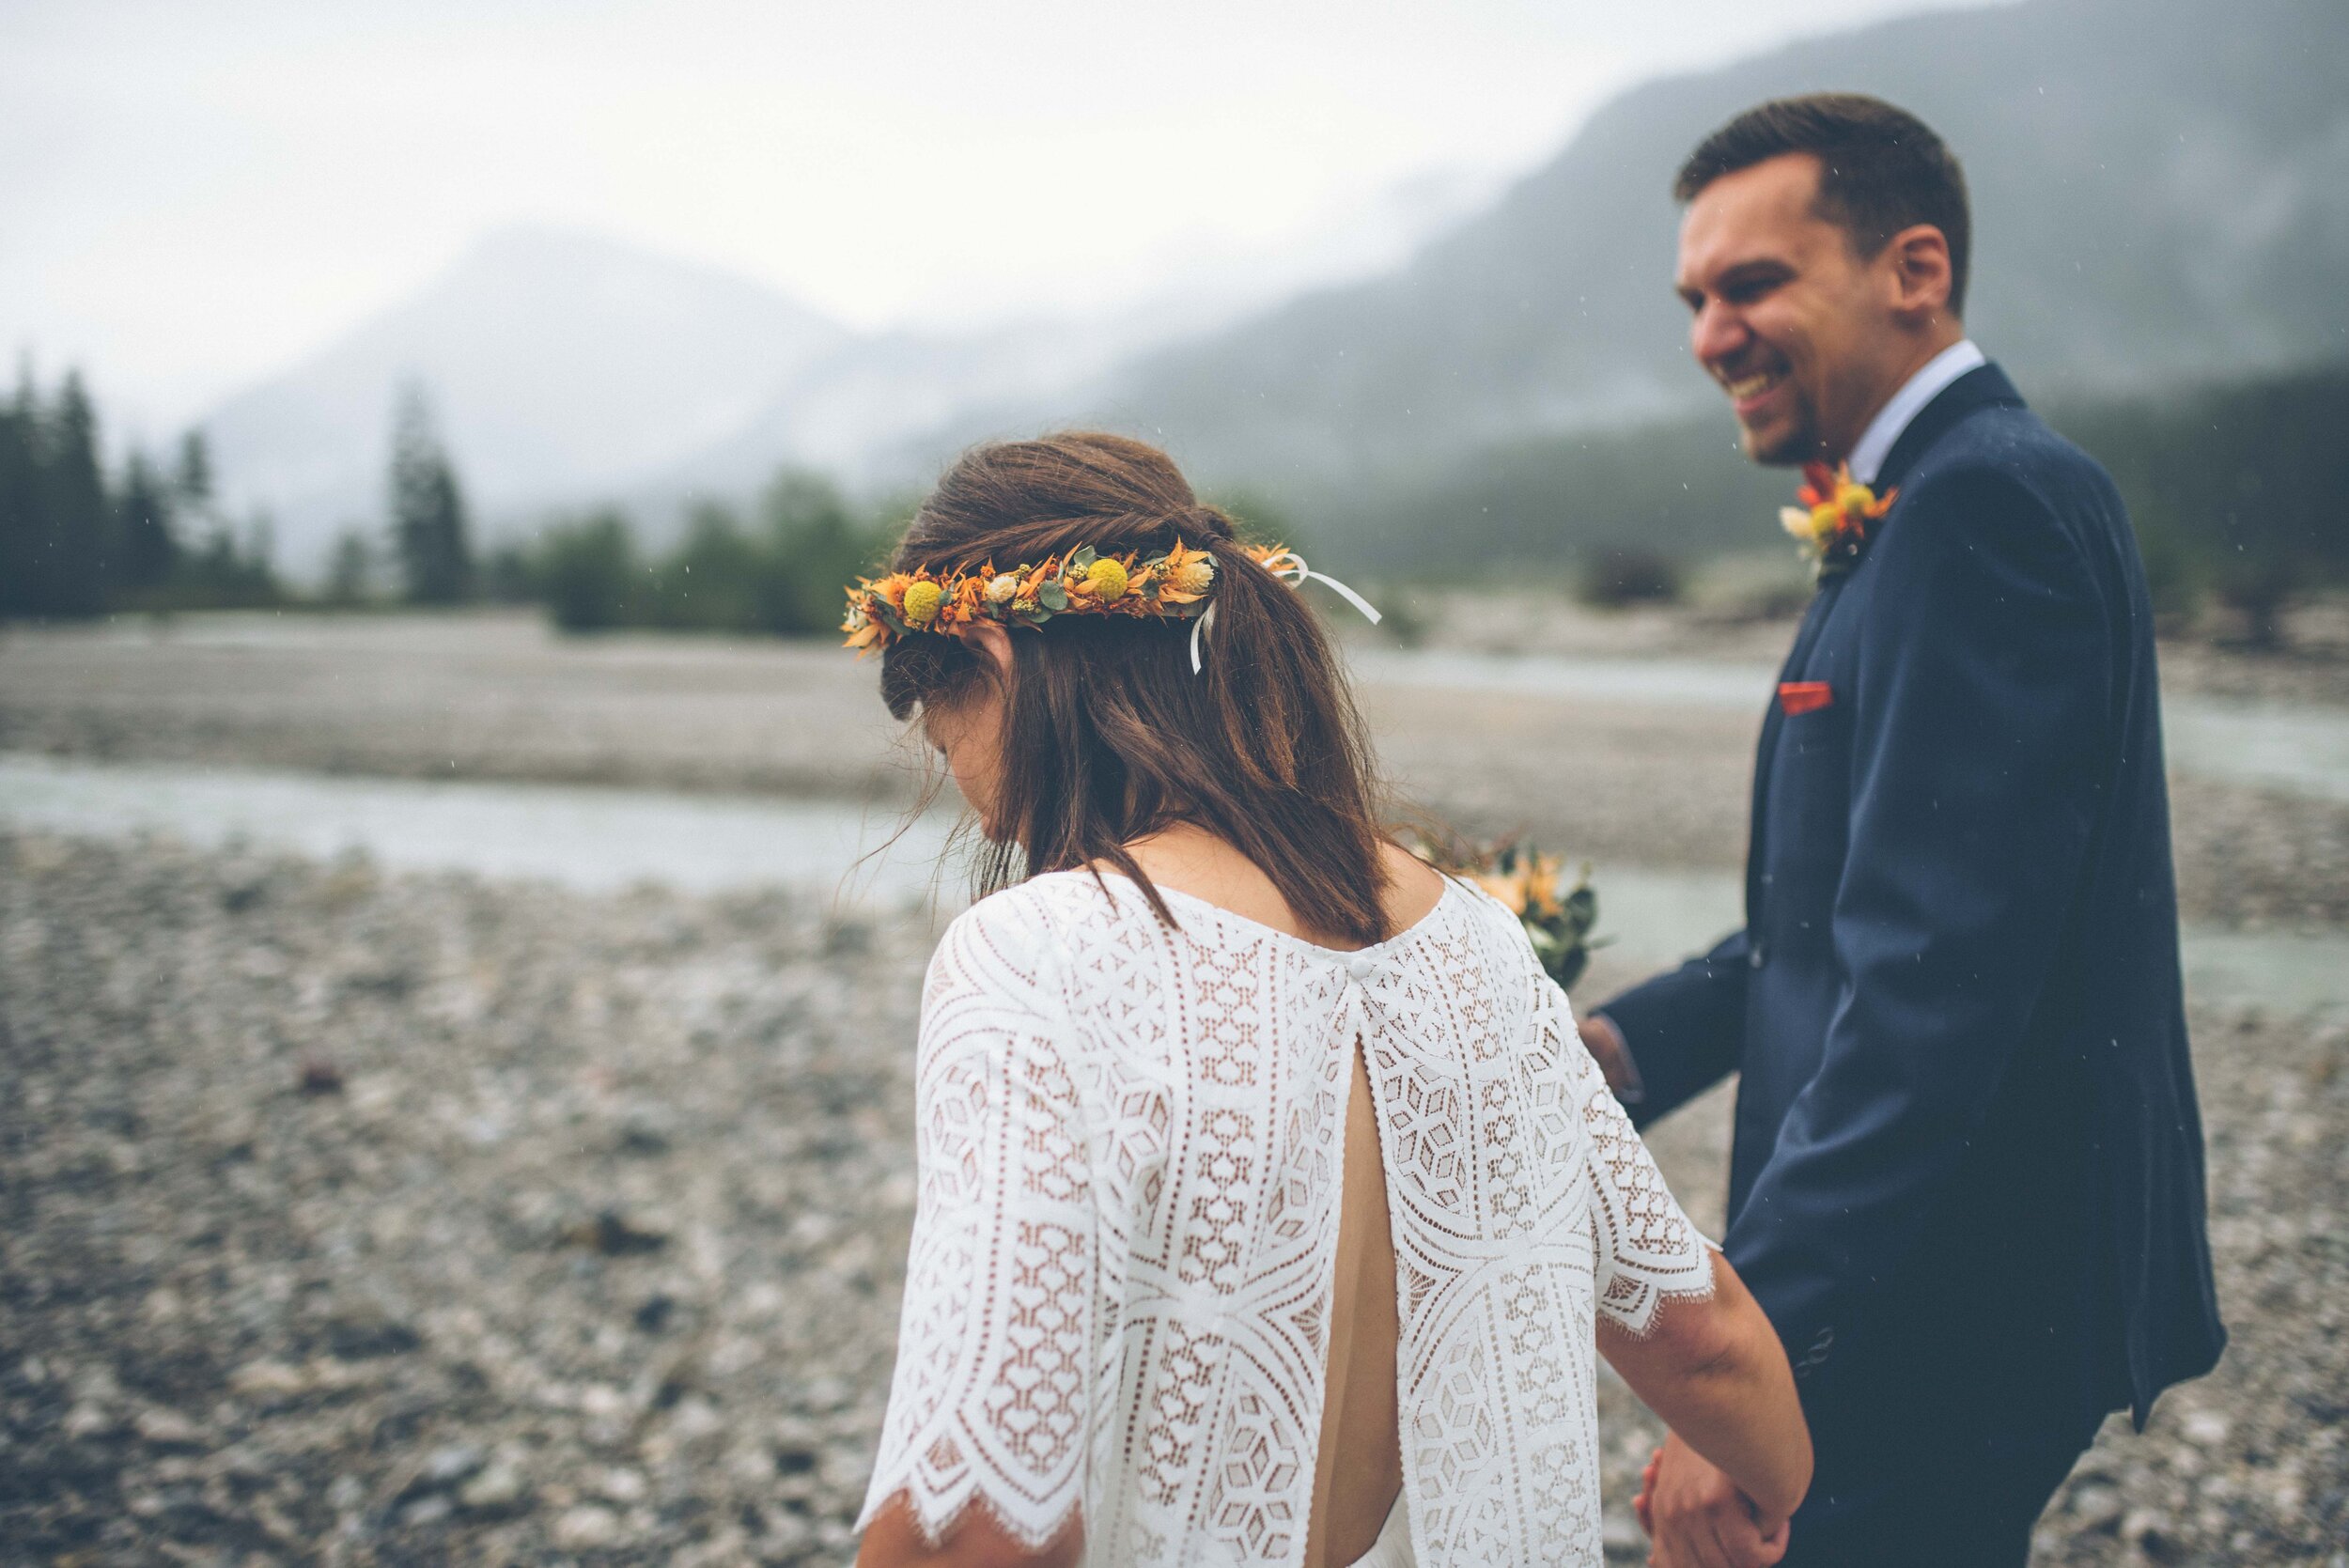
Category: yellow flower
<point>1000,590</point>
<point>1105,578</point>
<point>1826,518</point>
<point>1796,520</point>
<point>921,601</point>
<point>1854,498</point>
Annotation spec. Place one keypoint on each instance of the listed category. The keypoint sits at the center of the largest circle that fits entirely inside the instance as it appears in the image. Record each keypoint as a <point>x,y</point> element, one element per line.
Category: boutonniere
<point>1836,519</point>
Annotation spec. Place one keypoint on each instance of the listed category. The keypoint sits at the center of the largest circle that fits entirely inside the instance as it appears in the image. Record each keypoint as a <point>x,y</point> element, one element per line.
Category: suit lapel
<point>1981,387</point>
<point>1822,605</point>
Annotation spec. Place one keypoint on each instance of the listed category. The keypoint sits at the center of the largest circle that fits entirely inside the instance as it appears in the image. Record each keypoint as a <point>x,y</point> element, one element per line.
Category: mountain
<point>2161,192</point>
<point>558,364</point>
<point>567,369</point>
<point>882,411</point>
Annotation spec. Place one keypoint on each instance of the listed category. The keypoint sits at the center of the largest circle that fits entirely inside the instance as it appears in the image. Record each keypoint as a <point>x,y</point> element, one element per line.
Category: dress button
<point>1360,968</point>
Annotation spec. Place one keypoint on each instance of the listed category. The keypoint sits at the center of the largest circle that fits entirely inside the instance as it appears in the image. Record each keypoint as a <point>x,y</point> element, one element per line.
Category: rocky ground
<point>365,1220</point>
<point>362,1219</point>
<point>416,1221</point>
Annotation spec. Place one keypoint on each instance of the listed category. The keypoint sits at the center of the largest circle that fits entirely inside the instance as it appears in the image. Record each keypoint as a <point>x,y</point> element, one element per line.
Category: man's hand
<point>1697,1517</point>
<point>1603,1041</point>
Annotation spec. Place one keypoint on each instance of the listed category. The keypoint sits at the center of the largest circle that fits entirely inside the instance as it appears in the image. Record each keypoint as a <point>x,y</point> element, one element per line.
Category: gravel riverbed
<point>497,697</point>
<point>358,1218</point>
<point>361,1219</point>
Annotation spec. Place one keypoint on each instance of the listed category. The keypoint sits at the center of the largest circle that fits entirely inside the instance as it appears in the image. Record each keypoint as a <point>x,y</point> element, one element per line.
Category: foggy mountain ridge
<point>556,362</point>
<point>569,370</point>
<point>2160,189</point>
<point>884,411</point>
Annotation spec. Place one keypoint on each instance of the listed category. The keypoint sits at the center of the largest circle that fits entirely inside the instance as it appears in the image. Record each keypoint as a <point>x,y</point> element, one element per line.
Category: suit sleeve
<point>1685,1029</point>
<point>1980,737</point>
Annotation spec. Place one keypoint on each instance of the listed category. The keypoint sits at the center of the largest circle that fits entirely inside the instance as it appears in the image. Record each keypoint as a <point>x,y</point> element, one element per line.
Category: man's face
<point>1797,329</point>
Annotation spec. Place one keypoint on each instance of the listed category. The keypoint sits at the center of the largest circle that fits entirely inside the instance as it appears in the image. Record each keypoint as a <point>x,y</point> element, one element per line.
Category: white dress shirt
<point>1876,441</point>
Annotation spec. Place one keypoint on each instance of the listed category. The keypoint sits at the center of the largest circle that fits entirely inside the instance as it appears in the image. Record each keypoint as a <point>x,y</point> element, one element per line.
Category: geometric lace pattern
<point>1130,1145</point>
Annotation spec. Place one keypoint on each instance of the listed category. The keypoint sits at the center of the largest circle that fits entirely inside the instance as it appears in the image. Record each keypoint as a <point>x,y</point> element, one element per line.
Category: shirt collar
<point>1876,442</point>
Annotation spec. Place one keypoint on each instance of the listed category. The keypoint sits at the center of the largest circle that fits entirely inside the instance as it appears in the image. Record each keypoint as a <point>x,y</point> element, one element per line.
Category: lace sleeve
<point>990,1397</point>
<point>1648,1252</point>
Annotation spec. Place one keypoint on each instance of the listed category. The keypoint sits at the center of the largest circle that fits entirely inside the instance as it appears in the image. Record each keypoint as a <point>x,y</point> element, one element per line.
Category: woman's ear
<point>991,642</point>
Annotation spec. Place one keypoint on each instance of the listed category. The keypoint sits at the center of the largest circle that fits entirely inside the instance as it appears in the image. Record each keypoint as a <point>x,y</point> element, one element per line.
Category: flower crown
<point>1173,586</point>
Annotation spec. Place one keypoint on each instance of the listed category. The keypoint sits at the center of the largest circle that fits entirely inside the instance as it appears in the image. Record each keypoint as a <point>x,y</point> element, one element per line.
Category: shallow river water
<point>2302,750</point>
<point>598,840</point>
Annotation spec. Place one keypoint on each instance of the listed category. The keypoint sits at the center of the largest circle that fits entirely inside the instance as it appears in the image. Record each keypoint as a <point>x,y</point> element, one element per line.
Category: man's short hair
<point>1881,170</point>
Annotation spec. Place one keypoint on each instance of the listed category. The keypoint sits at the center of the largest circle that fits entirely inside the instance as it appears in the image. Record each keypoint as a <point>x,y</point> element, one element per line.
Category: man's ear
<point>991,642</point>
<point>1919,258</point>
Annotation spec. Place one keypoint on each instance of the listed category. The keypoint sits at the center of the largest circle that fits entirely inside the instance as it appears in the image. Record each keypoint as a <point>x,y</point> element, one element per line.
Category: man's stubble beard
<point>1798,446</point>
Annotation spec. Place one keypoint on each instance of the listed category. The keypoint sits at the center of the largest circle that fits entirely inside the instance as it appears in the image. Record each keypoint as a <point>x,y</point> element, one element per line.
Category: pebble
<point>451,1465</point>
<point>167,1428</point>
<point>586,1526</point>
<point>2097,1508</point>
<point>499,1486</point>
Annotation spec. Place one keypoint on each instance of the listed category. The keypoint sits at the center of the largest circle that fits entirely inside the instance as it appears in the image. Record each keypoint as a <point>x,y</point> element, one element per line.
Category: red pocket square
<point>1804,696</point>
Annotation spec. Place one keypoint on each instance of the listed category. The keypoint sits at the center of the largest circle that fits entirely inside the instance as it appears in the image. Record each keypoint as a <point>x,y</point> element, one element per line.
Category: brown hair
<point>1107,732</point>
<point>1881,169</point>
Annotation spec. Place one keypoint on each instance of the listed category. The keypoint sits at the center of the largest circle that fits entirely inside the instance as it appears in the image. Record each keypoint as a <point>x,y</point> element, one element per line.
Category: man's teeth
<point>1753,386</point>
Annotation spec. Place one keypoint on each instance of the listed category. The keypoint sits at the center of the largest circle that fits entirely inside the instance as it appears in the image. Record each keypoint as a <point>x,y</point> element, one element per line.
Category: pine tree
<point>73,548</point>
<point>351,570</point>
<point>429,531</point>
<point>145,524</point>
<point>193,480</point>
<point>24,506</point>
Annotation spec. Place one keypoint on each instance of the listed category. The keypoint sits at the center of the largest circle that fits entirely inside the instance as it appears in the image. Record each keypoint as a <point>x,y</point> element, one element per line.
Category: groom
<point>1966,1180</point>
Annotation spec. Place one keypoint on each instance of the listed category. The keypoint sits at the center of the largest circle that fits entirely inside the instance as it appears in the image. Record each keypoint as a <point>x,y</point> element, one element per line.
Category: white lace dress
<point>1130,1143</point>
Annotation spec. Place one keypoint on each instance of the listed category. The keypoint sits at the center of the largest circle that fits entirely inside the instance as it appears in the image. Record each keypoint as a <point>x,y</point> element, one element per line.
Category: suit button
<point>1757,956</point>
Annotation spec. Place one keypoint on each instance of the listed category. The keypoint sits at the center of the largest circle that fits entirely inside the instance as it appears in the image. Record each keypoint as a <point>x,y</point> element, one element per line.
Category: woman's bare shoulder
<point>1415,888</point>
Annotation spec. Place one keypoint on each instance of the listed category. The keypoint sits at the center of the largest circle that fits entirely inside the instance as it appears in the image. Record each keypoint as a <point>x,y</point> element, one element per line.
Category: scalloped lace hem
<point>1666,1296</point>
<point>934,1536</point>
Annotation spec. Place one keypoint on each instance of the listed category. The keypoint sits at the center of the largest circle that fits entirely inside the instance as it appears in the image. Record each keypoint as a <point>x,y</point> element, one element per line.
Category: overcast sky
<point>194,192</point>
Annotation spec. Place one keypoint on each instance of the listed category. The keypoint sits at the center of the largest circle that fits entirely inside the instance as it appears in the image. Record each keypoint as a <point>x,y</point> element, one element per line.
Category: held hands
<point>1697,1519</point>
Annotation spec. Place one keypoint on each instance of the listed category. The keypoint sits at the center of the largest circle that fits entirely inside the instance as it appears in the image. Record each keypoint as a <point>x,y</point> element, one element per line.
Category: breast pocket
<point>1809,827</point>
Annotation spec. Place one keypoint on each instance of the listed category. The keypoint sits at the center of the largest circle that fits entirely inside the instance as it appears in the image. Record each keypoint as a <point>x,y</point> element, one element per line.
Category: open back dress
<point>1125,1265</point>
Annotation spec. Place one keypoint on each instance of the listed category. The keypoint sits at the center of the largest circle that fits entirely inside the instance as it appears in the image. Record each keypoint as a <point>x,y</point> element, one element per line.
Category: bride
<point>1270,1208</point>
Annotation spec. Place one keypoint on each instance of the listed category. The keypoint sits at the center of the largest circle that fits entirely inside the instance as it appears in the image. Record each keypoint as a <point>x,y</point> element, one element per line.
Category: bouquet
<point>1557,918</point>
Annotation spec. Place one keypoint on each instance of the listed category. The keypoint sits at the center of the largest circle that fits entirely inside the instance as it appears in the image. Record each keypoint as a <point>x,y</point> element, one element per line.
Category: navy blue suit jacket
<point>1966,1182</point>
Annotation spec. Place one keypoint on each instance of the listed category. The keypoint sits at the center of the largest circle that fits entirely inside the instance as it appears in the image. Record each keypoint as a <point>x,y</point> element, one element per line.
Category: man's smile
<point>1750,388</point>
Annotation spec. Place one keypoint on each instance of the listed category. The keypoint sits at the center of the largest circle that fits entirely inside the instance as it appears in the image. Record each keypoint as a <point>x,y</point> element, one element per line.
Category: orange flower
<point>1189,575</point>
<point>1832,523</point>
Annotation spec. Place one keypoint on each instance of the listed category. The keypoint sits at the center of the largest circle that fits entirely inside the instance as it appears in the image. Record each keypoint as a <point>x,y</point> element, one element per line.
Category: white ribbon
<point>1289,568</point>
